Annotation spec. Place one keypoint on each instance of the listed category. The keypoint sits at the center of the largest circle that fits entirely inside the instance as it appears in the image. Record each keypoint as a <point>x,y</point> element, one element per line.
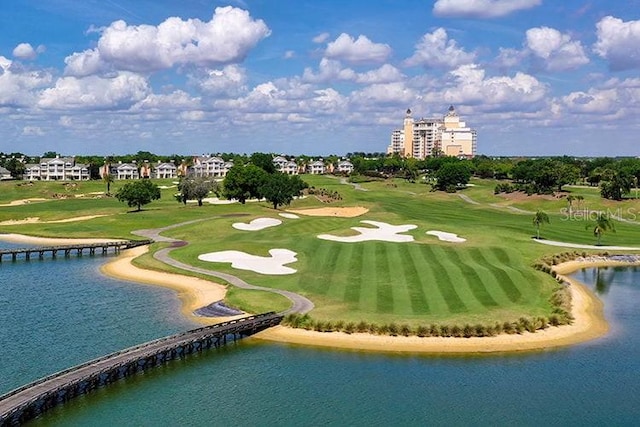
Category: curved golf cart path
<point>300,304</point>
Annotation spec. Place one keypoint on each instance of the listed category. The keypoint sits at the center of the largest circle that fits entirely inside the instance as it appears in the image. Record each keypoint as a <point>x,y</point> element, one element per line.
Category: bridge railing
<point>212,328</point>
<point>125,243</point>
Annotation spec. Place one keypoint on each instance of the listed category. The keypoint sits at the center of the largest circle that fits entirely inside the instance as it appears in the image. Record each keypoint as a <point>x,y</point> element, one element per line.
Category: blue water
<point>58,313</point>
<point>252,383</point>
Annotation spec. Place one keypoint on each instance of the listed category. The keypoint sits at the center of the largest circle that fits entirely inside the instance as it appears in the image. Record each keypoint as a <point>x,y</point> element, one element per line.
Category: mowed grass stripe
<point>369,278</point>
<point>401,297</point>
<point>443,281</point>
<point>478,287</point>
<point>354,277</point>
<point>437,304</point>
<point>384,289</point>
<point>457,278</point>
<point>502,278</point>
<point>419,303</point>
<point>340,261</point>
<point>315,253</point>
<point>522,275</point>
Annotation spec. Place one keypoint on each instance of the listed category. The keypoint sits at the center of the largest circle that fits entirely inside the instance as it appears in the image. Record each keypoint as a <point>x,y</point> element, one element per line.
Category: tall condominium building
<point>427,137</point>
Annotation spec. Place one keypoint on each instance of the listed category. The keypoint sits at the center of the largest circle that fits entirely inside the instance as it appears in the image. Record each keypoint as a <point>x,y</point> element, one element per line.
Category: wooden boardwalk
<point>68,250</point>
<point>31,400</point>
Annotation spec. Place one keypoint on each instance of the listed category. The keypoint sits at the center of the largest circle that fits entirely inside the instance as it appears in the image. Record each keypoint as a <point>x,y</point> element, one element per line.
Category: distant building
<point>5,174</point>
<point>282,164</point>
<point>428,137</point>
<point>209,166</point>
<point>126,171</point>
<point>344,166</point>
<point>57,169</point>
<point>166,170</point>
<point>316,168</point>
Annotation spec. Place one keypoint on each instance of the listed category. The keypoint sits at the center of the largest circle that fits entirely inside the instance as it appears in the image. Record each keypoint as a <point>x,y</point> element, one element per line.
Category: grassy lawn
<point>487,278</point>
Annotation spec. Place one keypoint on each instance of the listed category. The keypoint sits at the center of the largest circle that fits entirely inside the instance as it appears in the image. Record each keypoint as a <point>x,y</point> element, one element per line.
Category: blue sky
<point>317,77</point>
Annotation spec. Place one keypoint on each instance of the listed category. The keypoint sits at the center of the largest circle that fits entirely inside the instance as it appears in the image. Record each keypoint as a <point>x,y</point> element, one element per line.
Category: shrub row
<point>523,324</point>
<point>324,194</point>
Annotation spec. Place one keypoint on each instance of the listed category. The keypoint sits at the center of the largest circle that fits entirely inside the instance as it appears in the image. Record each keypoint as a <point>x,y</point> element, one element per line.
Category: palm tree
<point>570,199</point>
<point>603,224</point>
<point>108,179</point>
<point>538,219</point>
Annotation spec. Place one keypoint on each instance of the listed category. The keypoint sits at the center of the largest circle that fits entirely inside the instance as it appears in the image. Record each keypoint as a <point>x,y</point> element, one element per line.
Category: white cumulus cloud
<point>553,50</point>
<point>26,51</point>
<point>95,93</point>
<point>18,88</point>
<point>360,50</point>
<point>227,38</point>
<point>436,50</point>
<point>619,43</point>
<point>229,80</point>
<point>481,8</point>
<point>470,85</point>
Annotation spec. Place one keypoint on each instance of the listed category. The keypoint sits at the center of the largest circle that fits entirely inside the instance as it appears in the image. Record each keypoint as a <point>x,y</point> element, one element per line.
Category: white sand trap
<point>273,265</point>
<point>289,215</point>
<point>383,232</point>
<point>343,212</point>
<point>165,187</point>
<point>214,201</point>
<point>24,202</point>
<point>446,237</point>
<point>36,220</point>
<point>257,224</point>
<point>579,246</point>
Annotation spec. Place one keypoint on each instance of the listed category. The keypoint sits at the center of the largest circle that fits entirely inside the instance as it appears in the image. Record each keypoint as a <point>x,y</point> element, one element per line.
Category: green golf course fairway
<point>488,278</point>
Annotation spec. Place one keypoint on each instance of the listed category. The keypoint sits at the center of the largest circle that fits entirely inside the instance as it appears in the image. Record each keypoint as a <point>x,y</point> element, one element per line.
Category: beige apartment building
<point>422,138</point>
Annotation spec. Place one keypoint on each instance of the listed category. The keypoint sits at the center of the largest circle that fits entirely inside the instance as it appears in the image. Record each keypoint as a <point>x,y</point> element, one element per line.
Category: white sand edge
<point>33,240</point>
<point>193,292</point>
<point>589,323</point>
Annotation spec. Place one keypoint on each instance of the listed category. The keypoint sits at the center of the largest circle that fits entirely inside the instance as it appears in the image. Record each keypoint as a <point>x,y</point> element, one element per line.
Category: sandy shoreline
<point>33,240</point>
<point>589,324</point>
<point>195,293</point>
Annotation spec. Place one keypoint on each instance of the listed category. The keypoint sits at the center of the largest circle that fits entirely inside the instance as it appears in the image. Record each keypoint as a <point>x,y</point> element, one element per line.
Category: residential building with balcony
<point>284,165</point>
<point>57,169</point>
<point>433,136</point>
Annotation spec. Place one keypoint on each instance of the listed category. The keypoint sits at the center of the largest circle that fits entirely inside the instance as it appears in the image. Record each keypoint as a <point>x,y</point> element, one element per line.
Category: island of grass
<point>485,285</point>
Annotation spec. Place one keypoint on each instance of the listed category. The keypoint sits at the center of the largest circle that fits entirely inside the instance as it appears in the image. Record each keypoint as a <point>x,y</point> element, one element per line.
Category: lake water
<point>59,313</point>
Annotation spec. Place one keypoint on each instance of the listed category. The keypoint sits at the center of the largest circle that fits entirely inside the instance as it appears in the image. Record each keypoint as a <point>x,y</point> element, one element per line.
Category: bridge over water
<point>31,400</point>
<point>67,250</point>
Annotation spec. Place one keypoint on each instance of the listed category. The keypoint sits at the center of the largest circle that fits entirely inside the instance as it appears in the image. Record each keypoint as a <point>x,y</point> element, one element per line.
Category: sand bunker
<point>343,212</point>
<point>257,224</point>
<point>289,215</point>
<point>23,202</point>
<point>446,237</point>
<point>273,265</point>
<point>36,220</point>
<point>214,201</point>
<point>383,232</point>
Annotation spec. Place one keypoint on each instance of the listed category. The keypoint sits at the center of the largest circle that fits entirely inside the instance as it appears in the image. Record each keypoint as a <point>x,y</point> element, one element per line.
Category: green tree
<point>244,182</point>
<point>264,161</point>
<point>196,188</point>
<point>615,184</point>
<point>603,224</point>
<point>15,167</point>
<point>280,189</point>
<point>451,175</point>
<point>540,218</point>
<point>138,193</point>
